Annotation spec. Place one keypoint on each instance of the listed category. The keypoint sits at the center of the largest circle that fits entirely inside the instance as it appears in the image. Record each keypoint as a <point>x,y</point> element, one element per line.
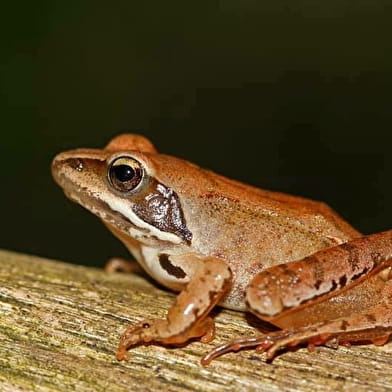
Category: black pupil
<point>124,173</point>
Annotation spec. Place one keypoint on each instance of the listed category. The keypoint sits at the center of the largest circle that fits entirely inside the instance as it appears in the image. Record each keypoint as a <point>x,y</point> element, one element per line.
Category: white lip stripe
<point>124,209</point>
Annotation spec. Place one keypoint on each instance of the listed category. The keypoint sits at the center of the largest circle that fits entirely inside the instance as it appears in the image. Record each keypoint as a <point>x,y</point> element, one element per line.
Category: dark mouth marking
<point>171,269</point>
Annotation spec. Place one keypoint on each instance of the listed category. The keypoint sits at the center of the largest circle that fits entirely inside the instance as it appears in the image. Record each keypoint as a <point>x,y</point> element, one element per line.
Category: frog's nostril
<point>76,164</point>
<point>63,161</point>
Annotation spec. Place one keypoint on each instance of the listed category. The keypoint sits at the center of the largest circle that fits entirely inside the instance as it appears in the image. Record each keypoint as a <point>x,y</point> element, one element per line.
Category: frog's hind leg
<point>338,294</point>
<point>373,325</point>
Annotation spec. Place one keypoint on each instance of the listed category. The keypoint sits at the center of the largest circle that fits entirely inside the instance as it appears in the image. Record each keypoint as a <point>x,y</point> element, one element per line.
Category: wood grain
<point>60,324</point>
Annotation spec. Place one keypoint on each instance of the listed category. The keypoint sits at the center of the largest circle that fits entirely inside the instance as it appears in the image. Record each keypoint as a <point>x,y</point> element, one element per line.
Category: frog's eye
<point>125,174</point>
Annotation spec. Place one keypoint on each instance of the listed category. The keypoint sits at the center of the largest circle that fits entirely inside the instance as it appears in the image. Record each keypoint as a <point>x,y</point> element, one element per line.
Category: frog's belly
<point>235,298</point>
<point>234,301</point>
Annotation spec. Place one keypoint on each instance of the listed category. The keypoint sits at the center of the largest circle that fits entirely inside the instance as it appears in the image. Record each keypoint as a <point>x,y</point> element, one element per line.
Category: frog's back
<point>254,229</point>
<point>216,200</point>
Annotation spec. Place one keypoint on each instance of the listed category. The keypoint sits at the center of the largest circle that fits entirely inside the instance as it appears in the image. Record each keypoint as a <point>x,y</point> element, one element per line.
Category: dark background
<point>293,96</point>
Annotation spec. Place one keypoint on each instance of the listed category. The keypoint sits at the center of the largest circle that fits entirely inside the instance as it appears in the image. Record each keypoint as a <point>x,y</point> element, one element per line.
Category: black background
<point>293,96</point>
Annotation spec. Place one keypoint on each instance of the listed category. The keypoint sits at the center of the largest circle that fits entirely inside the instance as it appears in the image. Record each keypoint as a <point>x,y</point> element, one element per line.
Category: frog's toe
<point>122,354</point>
<point>294,339</point>
<point>236,345</point>
<point>144,332</point>
<point>269,343</point>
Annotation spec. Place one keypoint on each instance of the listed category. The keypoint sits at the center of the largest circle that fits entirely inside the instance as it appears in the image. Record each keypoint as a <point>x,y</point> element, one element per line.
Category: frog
<point>291,261</point>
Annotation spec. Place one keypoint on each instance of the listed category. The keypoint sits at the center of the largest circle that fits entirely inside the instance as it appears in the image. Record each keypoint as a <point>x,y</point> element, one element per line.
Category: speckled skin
<point>250,229</point>
<point>237,230</point>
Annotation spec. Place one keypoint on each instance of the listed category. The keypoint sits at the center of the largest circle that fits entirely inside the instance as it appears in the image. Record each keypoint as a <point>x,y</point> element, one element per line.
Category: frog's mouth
<point>97,206</point>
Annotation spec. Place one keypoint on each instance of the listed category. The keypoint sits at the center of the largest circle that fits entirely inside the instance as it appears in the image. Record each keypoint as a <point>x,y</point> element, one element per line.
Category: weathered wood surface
<point>60,324</point>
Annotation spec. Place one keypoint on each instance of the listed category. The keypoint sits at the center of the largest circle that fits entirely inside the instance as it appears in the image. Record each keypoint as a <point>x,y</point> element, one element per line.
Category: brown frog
<point>289,260</point>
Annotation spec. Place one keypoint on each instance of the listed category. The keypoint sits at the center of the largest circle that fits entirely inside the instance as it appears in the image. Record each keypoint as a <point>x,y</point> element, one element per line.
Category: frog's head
<point>120,185</point>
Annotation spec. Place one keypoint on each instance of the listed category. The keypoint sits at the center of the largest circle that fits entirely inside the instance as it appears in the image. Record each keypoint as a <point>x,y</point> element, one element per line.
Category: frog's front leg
<point>188,317</point>
<point>291,296</point>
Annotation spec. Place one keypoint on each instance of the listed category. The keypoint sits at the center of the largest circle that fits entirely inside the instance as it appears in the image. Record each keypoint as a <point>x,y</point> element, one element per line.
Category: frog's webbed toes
<point>261,344</point>
<point>295,338</point>
<point>234,345</point>
<point>275,341</point>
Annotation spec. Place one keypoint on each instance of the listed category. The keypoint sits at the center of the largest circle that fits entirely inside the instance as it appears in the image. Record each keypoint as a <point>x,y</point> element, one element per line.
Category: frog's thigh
<point>358,299</point>
<point>344,279</point>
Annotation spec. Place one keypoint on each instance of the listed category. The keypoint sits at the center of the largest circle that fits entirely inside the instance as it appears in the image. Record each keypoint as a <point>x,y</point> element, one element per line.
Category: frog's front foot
<point>164,332</point>
<point>143,332</point>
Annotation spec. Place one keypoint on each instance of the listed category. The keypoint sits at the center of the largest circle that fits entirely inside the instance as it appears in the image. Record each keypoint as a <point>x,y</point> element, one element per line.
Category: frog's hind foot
<point>118,264</point>
<point>260,343</point>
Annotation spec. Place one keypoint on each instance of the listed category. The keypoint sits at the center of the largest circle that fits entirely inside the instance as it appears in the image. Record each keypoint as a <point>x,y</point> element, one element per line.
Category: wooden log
<point>60,325</point>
